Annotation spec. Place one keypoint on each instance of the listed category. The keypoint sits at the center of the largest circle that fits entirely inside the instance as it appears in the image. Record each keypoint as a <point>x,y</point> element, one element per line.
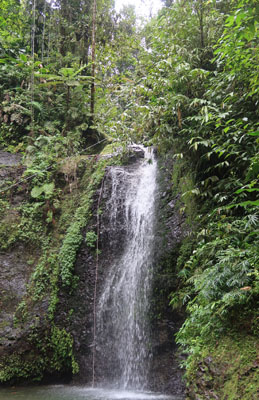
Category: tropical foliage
<point>187,82</point>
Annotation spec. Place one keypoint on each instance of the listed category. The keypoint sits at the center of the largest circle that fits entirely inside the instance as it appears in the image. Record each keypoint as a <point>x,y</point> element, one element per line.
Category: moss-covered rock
<point>39,239</point>
<point>41,352</point>
<point>32,345</point>
<point>225,370</point>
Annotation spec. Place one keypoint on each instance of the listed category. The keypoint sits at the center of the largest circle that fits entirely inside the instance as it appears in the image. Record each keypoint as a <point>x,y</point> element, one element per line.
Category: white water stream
<point>123,332</point>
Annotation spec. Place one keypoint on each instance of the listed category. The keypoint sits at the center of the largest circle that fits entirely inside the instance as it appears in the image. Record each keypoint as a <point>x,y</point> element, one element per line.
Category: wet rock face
<point>75,307</point>
<point>14,268</point>
<point>9,164</point>
<point>10,172</point>
<point>135,152</point>
<point>14,276</point>
<point>75,312</point>
<point>165,374</point>
<point>81,301</point>
<point>8,159</point>
<point>15,272</point>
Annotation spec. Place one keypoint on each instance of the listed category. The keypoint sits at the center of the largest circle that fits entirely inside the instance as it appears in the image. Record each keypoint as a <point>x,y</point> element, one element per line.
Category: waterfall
<point>123,332</point>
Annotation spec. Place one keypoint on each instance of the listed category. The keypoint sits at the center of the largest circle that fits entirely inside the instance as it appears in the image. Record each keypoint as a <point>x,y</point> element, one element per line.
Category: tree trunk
<point>93,63</point>
<point>200,11</point>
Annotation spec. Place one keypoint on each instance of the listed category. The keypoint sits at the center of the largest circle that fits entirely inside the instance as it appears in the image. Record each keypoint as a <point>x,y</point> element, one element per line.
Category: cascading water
<point>123,332</point>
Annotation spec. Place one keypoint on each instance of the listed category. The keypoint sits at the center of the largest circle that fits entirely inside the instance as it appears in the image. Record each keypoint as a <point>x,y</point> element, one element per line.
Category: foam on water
<point>63,392</point>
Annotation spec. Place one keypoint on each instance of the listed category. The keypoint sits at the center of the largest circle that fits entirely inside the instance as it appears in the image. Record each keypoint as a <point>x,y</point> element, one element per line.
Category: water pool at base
<point>62,392</point>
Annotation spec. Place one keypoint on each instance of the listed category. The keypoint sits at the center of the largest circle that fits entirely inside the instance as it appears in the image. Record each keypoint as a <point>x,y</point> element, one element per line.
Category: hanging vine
<point>93,62</point>
<point>43,31</point>
<point>33,61</point>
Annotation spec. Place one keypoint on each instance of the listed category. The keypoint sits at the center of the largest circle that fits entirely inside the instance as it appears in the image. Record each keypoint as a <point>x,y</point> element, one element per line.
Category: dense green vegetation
<point>186,82</point>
